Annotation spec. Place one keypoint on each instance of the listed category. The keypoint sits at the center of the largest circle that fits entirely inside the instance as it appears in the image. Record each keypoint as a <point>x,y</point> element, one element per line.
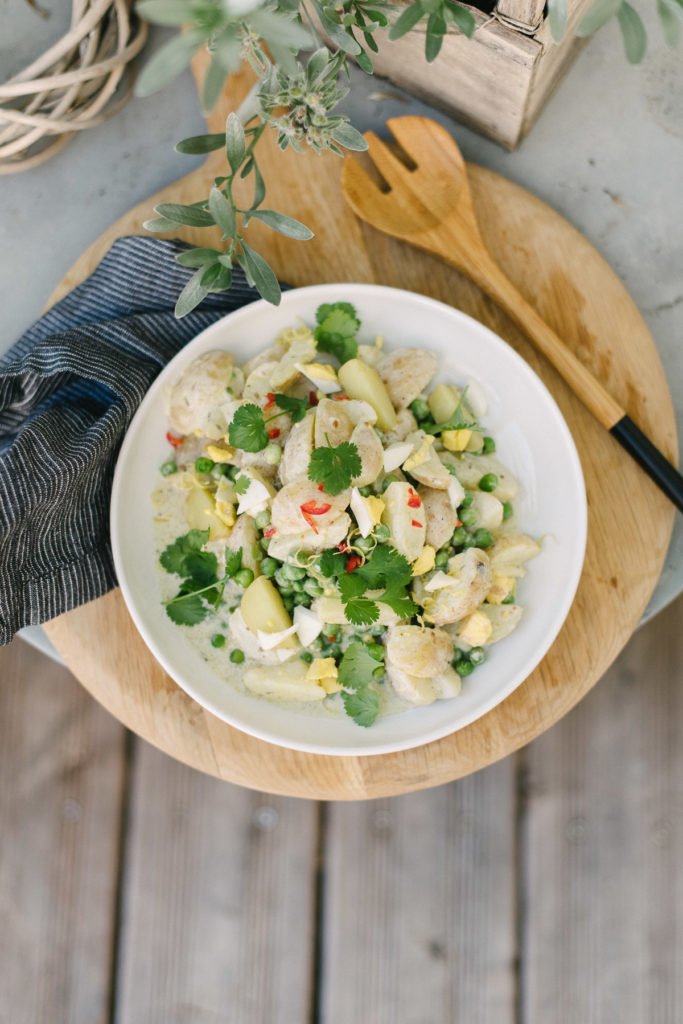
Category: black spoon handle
<point>666,476</point>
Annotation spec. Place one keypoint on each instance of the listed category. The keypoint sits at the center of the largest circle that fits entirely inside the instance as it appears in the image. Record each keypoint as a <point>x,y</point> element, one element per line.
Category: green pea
<point>306,656</point>
<point>313,588</point>
<point>458,655</point>
<point>332,651</point>
<point>459,535</point>
<point>269,567</point>
<point>464,667</point>
<point>272,454</point>
<point>376,651</point>
<point>507,509</point>
<point>469,541</point>
<point>365,491</point>
<point>468,516</point>
<point>203,465</point>
<point>298,587</point>
<point>265,543</point>
<point>379,671</point>
<point>420,409</point>
<point>302,599</point>
<point>477,655</point>
<point>168,468</point>
<point>488,482</point>
<point>467,500</point>
<point>294,572</point>
<point>285,591</point>
<point>382,532</point>
<point>489,446</point>
<point>262,519</point>
<point>217,640</point>
<point>441,558</point>
<point>244,577</point>
<point>483,538</point>
<point>364,544</point>
<point>237,656</point>
<point>288,603</point>
<point>280,578</point>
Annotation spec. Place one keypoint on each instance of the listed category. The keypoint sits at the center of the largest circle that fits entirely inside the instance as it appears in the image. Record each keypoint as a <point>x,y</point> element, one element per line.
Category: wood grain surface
<point>567,281</point>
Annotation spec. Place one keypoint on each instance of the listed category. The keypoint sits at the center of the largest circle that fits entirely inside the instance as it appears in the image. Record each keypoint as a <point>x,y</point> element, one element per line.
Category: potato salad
<point>333,529</point>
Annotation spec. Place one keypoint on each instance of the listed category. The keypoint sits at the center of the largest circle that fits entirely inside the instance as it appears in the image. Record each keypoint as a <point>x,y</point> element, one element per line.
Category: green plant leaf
<point>557,16</point>
<point>259,187</point>
<point>260,274</point>
<point>349,137</point>
<point>197,257</point>
<point>197,144</point>
<point>193,216</point>
<point>168,62</point>
<point>192,294</point>
<point>212,86</point>
<point>160,224</point>
<point>407,21</point>
<point>235,142</point>
<point>285,225</point>
<point>337,33</point>
<point>212,276</point>
<point>280,30</point>
<point>227,48</point>
<point>172,558</point>
<point>463,18</point>
<point>597,16</point>
<point>633,33</point>
<point>165,12</point>
<point>222,212</point>
<point>670,22</point>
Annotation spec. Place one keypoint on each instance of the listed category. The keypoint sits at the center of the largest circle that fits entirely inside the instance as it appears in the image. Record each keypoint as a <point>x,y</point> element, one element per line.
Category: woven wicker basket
<point>76,84</point>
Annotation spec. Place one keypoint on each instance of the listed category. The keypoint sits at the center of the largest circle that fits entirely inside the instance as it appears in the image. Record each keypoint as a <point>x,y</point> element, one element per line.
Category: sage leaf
<point>192,216</point>
<point>597,16</point>
<point>210,276</point>
<point>406,21</point>
<point>222,212</point>
<point>160,224</point>
<point>285,225</point>
<point>165,12</point>
<point>192,294</point>
<point>260,274</point>
<point>168,62</point>
<point>235,142</point>
<point>196,144</point>
<point>633,33</point>
<point>349,137</point>
<point>557,16</point>
<point>670,22</point>
<point>336,33</point>
<point>197,257</point>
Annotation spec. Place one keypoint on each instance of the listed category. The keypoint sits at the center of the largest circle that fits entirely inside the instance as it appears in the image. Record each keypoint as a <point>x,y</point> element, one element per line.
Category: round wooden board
<point>630,522</point>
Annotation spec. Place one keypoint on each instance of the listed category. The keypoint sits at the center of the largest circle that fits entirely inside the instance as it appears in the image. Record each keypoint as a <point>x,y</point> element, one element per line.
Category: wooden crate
<point>498,81</point>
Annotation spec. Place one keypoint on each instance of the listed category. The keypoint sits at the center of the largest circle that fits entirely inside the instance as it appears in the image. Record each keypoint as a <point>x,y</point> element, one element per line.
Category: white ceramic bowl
<point>532,440</point>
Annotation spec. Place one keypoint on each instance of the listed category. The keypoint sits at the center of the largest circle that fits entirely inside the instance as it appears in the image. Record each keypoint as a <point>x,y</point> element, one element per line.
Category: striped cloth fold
<point>68,391</point>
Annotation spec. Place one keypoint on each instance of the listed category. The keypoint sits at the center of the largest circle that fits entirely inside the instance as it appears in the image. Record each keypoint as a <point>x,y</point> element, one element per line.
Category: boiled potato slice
<point>404,514</point>
<point>406,372</point>
<point>489,510</point>
<point>201,514</point>
<point>443,402</point>
<point>362,381</point>
<point>371,454</point>
<point>283,682</point>
<point>332,425</point>
<point>262,607</point>
<point>504,619</point>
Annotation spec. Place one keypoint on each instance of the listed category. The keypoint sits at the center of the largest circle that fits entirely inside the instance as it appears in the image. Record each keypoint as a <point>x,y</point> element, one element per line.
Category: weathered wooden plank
<point>419,921</point>
<point>218,915</point>
<point>604,837</point>
<point>61,783</point>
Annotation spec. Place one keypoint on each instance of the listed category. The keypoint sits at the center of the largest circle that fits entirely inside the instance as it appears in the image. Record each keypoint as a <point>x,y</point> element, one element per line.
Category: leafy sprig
<point>384,570</point>
<point>248,430</point>
<point>338,325</point>
<point>201,590</point>
<point>335,467</point>
<point>356,671</point>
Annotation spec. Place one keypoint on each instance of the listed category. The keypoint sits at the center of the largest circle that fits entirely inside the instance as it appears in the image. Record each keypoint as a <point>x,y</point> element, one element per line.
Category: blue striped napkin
<point>68,390</point>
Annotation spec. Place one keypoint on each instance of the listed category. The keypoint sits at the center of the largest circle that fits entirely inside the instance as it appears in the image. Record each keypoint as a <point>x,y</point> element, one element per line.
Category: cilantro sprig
<point>386,570</point>
<point>201,590</point>
<point>335,467</point>
<point>456,421</point>
<point>356,670</point>
<point>337,328</point>
<point>247,429</point>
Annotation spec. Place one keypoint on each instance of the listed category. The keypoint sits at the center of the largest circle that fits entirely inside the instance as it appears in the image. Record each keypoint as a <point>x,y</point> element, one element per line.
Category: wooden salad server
<point>425,199</point>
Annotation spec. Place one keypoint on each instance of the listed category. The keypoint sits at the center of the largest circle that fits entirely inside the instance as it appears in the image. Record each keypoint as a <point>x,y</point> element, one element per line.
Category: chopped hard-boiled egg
<point>307,624</point>
<point>456,440</point>
<point>225,502</point>
<point>257,494</point>
<point>396,454</point>
<point>501,587</point>
<point>425,562</point>
<point>440,580</point>
<point>217,454</point>
<point>323,376</point>
<point>324,672</point>
<point>359,411</point>
<point>270,640</point>
<point>476,629</point>
<point>368,511</point>
<point>455,491</point>
<point>422,452</point>
<point>475,397</point>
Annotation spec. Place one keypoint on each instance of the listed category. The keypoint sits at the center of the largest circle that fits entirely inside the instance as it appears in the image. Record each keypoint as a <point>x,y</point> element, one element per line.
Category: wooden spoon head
<point>425,180</point>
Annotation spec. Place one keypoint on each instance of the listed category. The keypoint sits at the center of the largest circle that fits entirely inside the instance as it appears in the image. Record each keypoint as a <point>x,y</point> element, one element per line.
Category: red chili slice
<point>414,499</point>
<point>415,522</point>
<point>271,400</point>
<point>342,398</point>
<point>343,547</point>
<point>458,522</point>
<point>269,532</point>
<point>273,433</point>
<point>312,508</point>
<point>353,562</point>
<point>173,440</point>
<point>312,398</point>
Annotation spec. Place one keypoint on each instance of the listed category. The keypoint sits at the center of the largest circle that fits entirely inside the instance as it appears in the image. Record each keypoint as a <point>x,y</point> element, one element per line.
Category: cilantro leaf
<point>357,666</point>
<point>399,601</point>
<point>296,407</point>
<point>332,563</point>
<point>362,706</point>
<point>233,562</point>
<point>247,429</point>
<point>173,557</point>
<point>335,468</point>
<point>242,484</point>
<point>187,611</point>
<point>361,611</point>
<point>336,332</point>
<point>385,567</point>
<point>351,585</point>
<point>200,567</point>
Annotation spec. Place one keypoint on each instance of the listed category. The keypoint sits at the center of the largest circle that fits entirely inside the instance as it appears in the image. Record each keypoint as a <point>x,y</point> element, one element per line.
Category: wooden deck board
<point>61,776</point>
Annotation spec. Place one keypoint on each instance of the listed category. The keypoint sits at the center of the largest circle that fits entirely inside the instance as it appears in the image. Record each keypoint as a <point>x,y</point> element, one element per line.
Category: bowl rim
<point>580,516</point>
